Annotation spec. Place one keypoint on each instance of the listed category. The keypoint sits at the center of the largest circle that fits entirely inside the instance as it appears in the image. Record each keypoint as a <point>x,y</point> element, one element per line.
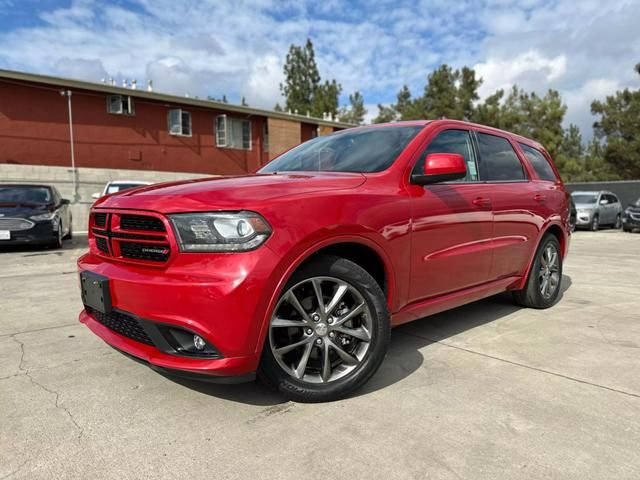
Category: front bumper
<point>221,297</point>
<point>631,223</point>
<point>42,233</point>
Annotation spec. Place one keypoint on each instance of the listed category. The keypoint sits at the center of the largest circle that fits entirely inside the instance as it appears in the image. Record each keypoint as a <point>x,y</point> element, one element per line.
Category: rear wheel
<point>70,232</point>
<point>57,242</point>
<point>618,223</point>
<point>543,283</point>
<point>328,333</point>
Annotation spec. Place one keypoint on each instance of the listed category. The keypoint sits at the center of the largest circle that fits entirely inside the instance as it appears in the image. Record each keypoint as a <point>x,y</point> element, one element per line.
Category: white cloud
<point>526,70</point>
<point>216,47</point>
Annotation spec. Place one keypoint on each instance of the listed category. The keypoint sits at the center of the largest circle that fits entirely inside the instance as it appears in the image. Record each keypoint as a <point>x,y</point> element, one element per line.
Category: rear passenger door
<point>452,224</point>
<point>517,203</point>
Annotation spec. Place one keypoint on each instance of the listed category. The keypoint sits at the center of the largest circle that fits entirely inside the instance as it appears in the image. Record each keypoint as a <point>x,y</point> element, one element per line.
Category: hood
<point>232,193</point>
<point>19,210</point>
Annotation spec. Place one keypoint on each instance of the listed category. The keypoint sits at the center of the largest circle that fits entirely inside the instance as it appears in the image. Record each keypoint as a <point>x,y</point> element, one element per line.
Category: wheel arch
<point>361,250</point>
<point>556,230</point>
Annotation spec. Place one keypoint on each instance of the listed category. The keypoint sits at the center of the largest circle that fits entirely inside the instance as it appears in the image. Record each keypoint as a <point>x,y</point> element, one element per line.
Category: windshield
<point>118,187</point>
<point>18,194</point>
<point>360,151</point>
<point>585,197</point>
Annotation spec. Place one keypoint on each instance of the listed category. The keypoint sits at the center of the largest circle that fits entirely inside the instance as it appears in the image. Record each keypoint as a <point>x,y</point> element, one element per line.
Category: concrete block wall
<point>88,181</point>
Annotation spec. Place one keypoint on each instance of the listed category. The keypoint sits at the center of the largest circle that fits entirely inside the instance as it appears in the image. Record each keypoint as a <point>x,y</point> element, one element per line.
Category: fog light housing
<point>185,342</point>
<point>199,342</point>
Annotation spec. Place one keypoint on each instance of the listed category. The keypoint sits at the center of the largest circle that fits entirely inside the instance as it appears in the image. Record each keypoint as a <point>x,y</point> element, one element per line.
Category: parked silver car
<point>596,209</point>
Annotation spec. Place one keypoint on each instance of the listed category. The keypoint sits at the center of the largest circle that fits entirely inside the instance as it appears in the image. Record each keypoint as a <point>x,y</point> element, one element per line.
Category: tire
<point>70,232</point>
<point>533,294</point>
<point>618,223</point>
<point>595,223</point>
<point>57,242</point>
<point>300,373</point>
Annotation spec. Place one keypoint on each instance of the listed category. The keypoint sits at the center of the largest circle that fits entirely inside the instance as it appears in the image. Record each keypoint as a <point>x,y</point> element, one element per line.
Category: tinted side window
<point>498,161</point>
<point>539,163</point>
<point>451,141</point>
<point>613,198</point>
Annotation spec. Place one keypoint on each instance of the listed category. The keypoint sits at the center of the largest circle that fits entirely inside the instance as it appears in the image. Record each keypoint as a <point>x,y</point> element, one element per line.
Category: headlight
<point>220,232</point>
<point>627,210</point>
<point>584,211</point>
<point>43,216</point>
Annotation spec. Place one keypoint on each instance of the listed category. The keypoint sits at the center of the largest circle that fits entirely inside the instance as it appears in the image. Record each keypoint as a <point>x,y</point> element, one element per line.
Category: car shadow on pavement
<point>78,241</point>
<point>403,358</point>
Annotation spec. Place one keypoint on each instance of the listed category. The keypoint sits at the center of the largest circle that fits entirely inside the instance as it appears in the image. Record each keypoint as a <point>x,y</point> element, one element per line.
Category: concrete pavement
<point>485,391</point>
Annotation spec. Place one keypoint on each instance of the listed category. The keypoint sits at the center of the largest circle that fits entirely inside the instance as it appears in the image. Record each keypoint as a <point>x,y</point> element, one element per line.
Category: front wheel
<point>543,283</point>
<point>595,224</point>
<point>329,332</point>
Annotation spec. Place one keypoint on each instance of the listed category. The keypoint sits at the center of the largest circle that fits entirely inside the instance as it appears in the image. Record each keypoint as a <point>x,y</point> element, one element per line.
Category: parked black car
<point>33,215</point>
<point>631,218</point>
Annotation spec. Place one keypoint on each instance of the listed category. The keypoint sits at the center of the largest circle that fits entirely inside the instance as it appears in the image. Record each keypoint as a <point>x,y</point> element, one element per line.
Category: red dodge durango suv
<point>299,271</point>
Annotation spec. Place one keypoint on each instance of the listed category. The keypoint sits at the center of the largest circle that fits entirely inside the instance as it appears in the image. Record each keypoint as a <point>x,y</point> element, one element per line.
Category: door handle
<point>540,198</point>
<point>482,202</point>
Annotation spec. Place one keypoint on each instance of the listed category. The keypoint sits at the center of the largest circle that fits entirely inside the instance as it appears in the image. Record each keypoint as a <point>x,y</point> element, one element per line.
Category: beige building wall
<point>283,134</point>
<point>324,130</point>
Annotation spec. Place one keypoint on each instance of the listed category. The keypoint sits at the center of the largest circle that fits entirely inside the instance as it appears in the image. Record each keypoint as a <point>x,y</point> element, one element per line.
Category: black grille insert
<point>141,222</point>
<point>145,251</point>
<point>100,219</point>
<point>102,245</point>
<point>122,323</point>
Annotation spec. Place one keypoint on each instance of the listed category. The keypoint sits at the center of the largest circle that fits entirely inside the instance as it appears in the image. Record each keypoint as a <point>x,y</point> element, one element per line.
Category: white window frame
<point>223,127</point>
<point>124,103</point>
<point>179,131</point>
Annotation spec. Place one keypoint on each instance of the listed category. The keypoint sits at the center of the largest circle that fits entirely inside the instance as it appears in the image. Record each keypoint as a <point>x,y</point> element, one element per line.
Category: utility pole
<point>67,93</point>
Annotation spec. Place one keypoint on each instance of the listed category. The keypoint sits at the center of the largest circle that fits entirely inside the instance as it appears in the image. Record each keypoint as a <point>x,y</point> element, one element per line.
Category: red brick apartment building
<point>124,128</point>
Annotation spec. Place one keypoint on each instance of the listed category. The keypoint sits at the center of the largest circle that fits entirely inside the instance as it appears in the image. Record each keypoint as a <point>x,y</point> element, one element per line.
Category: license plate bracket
<point>95,291</point>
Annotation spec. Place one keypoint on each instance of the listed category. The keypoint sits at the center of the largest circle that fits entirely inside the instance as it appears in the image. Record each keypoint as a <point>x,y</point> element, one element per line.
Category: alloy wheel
<point>549,273</point>
<point>321,330</point>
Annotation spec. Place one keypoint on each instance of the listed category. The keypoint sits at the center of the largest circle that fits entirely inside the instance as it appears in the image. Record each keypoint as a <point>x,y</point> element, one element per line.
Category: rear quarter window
<point>539,163</point>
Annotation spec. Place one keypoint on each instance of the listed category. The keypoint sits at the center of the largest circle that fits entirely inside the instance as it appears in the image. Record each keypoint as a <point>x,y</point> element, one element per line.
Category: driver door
<point>452,225</point>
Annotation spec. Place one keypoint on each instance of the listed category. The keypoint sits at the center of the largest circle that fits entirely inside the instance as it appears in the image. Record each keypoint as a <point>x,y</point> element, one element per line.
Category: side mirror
<point>441,167</point>
<point>65,201</point>
<point>96,195</point>
<point>604,201</point>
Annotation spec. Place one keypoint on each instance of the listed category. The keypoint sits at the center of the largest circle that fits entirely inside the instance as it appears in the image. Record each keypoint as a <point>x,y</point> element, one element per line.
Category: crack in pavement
<point>15,472</point>
<point>39,329</point>
<point>58,405</point>
<point>518,364</point>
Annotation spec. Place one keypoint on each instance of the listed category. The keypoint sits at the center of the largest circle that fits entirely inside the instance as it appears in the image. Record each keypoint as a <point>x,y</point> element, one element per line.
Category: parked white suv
<point>118,186</point>
<point>596,209</point>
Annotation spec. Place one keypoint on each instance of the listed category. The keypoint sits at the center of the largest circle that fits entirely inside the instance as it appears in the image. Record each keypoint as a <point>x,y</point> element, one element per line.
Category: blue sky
<point>585,49</point>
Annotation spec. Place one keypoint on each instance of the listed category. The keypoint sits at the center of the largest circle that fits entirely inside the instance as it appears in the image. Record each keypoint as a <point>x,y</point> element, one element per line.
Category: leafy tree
<point>619,127</point>
<point>355,112</point>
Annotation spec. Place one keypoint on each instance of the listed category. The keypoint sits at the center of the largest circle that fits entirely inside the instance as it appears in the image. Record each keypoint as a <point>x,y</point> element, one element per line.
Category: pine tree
<point>355,112</point>
<point>619,128</point>
<point>301,78</point>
